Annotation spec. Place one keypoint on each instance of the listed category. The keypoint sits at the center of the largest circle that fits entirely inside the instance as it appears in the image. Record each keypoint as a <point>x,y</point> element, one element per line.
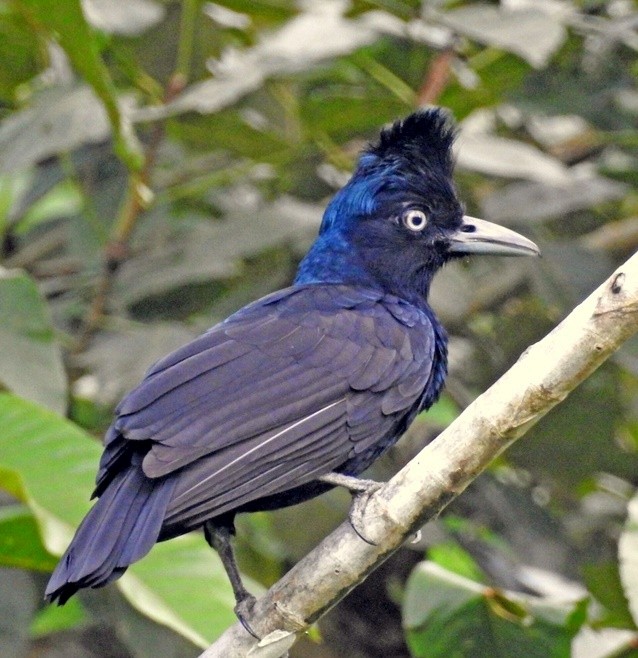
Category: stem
<point>139,195</point>
<point>437,78</point>
<point>386,78</point>
<point>186,38</point>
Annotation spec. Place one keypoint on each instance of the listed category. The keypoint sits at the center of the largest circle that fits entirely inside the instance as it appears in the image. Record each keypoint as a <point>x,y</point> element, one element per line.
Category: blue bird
<point>301,390</point>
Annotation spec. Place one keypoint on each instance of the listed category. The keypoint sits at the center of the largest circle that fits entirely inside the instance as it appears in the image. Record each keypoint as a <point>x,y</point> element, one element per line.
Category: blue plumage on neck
<point>332,258</point>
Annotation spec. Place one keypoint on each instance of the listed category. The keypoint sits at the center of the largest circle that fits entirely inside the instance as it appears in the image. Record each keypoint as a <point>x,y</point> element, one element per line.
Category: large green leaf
<point>55,618</point>
<point>31,363</point>
<point>20,543</point>
<point>447,615</point>
<point>604,583</point>
<point>49,463</point>
<point>182,585</point>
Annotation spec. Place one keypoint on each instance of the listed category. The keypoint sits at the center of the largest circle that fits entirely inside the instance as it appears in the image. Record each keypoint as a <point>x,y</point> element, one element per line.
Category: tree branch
<point>543,376</point>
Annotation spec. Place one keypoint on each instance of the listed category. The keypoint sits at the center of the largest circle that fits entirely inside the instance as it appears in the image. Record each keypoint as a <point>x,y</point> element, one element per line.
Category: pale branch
<point>543,376</point>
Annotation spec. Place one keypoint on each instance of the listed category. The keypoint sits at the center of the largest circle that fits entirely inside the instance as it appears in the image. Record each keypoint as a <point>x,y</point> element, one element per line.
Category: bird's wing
<point>285,390</point>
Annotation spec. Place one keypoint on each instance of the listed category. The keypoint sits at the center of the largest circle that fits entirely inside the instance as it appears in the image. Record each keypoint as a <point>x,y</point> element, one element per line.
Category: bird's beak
<point>476,236</point>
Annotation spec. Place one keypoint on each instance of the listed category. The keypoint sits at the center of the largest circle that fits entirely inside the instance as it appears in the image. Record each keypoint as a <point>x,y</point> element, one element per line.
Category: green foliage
<point>49,463</point>
<point>55,618</point>
<point>18,47</point>
<point>448,615</point>
<point>628,553</point>
<point>65,22</point>
<point>452,557</point>
<point>20,544</point>
<point>194,145</point>
<point>32,358</point>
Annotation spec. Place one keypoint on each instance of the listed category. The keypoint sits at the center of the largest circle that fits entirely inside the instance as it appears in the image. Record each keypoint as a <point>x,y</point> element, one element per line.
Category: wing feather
<point>222,478</point>
<point>289,388</point>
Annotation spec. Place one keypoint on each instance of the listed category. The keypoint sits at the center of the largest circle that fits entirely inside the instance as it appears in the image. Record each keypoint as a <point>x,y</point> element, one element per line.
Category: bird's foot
<point>244,611</point>
<point>361,491</point>
<point>353,484</point>
<point>356,516</point>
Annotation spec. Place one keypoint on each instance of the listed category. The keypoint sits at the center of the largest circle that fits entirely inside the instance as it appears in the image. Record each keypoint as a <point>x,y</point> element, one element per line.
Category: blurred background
<point>162,163</point>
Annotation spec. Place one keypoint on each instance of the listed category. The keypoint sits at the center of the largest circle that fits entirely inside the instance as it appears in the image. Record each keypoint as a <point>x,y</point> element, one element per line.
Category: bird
<point>299,391</point>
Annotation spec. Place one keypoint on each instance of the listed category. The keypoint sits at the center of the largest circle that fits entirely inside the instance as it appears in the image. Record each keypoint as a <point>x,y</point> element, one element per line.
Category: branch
<point>544,375</point>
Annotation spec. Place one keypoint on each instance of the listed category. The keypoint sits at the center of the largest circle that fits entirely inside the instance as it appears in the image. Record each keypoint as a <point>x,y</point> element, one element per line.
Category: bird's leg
<point>353,484</point>
<point>361,491</point>
<point>218,537</point>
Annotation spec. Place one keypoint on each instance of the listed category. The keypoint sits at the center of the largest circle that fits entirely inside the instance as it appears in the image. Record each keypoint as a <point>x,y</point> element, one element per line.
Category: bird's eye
<point>415,220</point>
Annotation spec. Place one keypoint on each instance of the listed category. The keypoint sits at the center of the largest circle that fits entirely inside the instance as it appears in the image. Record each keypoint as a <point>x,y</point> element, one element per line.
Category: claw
<point>244,610</point>
<point>359,501</point>
<point>361,491</point>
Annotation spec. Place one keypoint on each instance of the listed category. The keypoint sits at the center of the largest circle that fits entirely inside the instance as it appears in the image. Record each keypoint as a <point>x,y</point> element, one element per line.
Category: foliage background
<point>163,163</point>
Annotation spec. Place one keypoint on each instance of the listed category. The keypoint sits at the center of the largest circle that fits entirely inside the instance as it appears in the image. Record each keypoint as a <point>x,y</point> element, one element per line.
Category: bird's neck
<point>333,259</point>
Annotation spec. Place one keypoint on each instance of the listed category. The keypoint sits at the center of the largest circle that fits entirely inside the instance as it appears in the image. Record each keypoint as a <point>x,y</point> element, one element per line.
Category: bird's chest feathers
<point>425,330</point>
<point>438,372</point>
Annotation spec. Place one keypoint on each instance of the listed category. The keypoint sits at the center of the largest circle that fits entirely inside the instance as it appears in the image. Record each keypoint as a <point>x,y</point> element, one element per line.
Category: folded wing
<point>290,388</point>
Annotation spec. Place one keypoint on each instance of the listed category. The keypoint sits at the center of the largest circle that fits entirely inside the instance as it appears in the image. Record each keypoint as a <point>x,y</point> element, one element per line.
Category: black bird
<point>302,389</point>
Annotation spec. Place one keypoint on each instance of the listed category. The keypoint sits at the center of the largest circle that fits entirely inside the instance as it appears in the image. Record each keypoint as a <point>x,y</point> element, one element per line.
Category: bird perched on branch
<point>301,390</point>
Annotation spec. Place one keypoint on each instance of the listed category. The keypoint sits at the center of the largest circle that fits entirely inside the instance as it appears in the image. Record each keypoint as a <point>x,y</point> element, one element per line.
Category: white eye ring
<point>415,220</point>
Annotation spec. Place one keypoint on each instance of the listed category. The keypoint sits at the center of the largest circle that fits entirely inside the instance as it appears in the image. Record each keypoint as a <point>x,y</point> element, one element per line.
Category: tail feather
<point>119,529</point>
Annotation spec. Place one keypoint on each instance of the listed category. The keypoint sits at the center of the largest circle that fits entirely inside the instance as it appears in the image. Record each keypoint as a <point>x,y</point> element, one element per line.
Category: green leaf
<point>55,618</point>
<point>49,463</point>
<point>66,23</point>
<point>443,411</point>
<point>12,188</point>
<point>20,56</point>
<point>498,75</point>
<point>452,557</point>
<point>449,616</point>
<point>266,11</point>
<point>182,585</point>
<point>31,363</point>
<point>62,200</point>
<point>603,581</point>
<point>628,556</point>
<point>20,543</point>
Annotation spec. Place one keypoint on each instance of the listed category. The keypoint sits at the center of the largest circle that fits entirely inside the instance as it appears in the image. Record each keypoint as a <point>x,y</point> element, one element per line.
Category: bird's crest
<point>419,143</point>
<point>412,154</point>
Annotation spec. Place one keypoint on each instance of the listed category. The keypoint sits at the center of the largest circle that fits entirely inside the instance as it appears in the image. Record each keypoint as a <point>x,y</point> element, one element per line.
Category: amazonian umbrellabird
<point>301,389</point>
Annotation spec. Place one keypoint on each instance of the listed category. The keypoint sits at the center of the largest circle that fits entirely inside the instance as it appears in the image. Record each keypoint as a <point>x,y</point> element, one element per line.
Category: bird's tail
<point>119,529</point>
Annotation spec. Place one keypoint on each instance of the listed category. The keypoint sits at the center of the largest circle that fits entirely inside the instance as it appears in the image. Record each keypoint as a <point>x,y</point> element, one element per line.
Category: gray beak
<point>476,236</point>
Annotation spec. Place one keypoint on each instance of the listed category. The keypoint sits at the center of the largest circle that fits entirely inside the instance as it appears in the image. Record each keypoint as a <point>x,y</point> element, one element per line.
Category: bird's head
<point>398,219</point>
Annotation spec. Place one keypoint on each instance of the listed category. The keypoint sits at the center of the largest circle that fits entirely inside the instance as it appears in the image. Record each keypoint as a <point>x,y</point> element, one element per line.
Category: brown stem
<point>437,77</point>
<point>138,198</point>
